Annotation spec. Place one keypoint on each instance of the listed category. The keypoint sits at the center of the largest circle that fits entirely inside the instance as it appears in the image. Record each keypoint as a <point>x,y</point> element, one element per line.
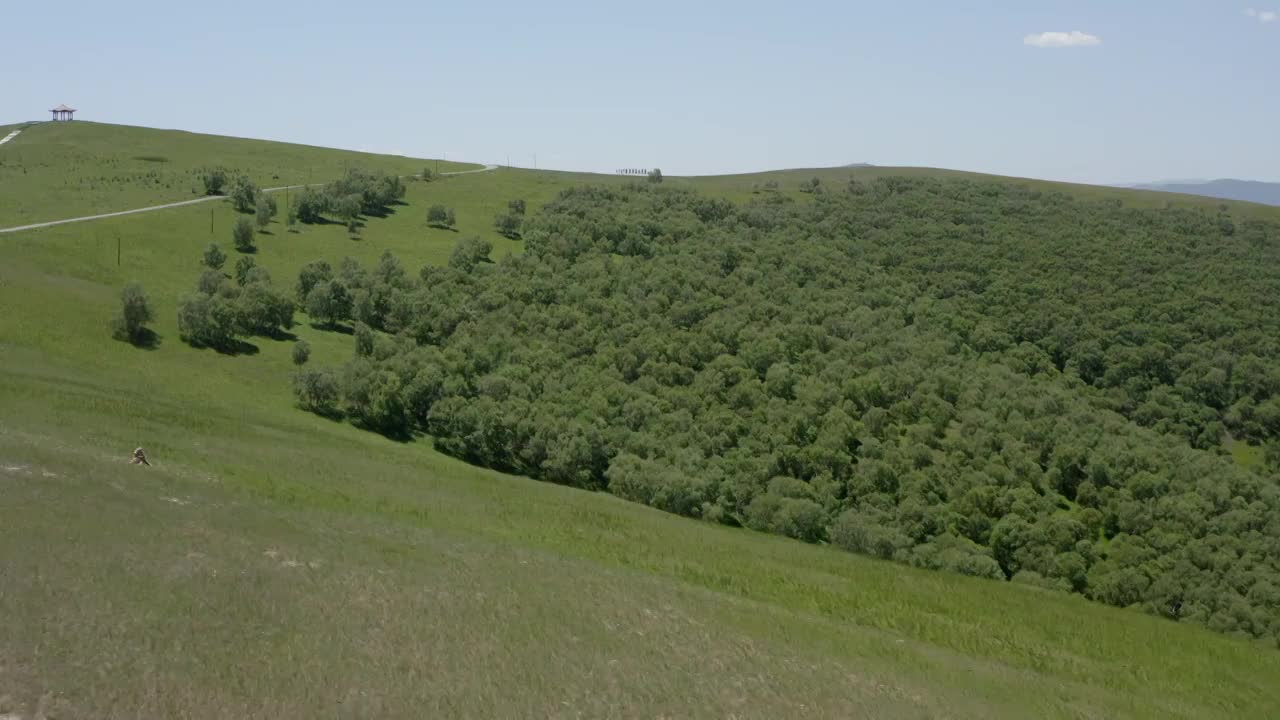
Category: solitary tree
<point>243,194</point>
<point>301,352</point>
<point>655,175</point>
<point>135,313</point>
<point>427,175</point>
<point>242,233</point>
<point>213,258</point>
<point>437,215</point>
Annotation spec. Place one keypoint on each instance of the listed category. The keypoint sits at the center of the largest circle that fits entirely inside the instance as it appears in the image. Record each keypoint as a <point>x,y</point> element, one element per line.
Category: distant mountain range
<point>1267,193</point>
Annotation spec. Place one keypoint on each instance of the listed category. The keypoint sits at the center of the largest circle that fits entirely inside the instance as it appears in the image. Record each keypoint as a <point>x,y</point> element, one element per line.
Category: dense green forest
<point>969,376</point>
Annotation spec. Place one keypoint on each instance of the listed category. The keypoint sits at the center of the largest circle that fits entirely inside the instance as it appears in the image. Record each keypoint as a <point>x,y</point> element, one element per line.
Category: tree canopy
<point>970,376</point>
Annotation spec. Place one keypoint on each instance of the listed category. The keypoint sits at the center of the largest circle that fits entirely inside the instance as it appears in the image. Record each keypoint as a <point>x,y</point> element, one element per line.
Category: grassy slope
<point>60,170</point>
<point>276,564</point>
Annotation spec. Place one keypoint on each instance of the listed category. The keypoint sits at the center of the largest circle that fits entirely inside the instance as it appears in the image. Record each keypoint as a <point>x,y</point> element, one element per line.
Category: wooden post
<point>117,251</point>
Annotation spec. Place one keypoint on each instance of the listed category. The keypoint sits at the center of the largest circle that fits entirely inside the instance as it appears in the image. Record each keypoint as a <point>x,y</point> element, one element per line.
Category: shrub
<point>516,207</point>
<point>214,180</point>
<point>213,257</point>
<point>135,313</point>
<point>301,352</point>
<point>242,235</point>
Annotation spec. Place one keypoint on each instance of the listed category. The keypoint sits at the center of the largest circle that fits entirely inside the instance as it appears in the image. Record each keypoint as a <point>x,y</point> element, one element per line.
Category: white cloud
<point>1265,16</point>
<point>1075,38</point>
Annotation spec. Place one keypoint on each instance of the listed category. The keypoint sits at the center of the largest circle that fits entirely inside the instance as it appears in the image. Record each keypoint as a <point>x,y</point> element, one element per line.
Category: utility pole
<point>117,250</point>
<point>210,221</point>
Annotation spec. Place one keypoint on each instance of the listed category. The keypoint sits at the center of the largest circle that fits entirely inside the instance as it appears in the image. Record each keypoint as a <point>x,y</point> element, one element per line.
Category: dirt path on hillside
<point>86,218</point>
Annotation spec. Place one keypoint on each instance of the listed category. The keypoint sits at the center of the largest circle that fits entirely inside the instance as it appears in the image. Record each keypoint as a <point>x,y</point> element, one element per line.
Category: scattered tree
<point>207,321</point>
<point>243,194</point>
<point>312,274</point>
<point>213,257</point>
<point>242,234</point>
<point>516,207</point>
<point>311,205</point>
<point>469,253</point>
<point>438,216</point>
<point>264,310</point>
<point>266,209</point>
<point>214,180</point>
<point>135,313</point>
<point>329,302</point>
<point>655,175</point>
<point>318,391</point>
<point>507,225</point>
<point>301,352</point>
<point>243,266</point>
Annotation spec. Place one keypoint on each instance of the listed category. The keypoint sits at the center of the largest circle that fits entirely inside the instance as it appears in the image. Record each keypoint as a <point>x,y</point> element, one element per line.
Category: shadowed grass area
<point>276,564</point>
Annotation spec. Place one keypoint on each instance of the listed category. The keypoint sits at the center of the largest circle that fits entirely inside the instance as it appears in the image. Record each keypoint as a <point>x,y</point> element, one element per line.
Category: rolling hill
<point>276,563</point>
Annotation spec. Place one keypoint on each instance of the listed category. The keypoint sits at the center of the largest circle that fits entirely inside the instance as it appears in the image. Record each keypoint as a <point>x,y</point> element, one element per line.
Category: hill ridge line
<point>181,203</point>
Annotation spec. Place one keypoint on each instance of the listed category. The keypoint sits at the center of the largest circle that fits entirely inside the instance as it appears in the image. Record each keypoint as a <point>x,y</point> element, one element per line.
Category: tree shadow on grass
<point>438,226</point>
<point>251,250</point>
<point>335,328</point>
<point>144,339</point>
<point>236,348</point>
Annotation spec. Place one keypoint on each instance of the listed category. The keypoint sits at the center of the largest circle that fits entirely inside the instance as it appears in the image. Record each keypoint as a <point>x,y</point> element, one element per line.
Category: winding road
<point>86,218</point>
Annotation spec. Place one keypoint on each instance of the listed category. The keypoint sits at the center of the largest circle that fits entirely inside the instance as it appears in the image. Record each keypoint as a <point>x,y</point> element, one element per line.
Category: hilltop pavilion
<point>62,112</point>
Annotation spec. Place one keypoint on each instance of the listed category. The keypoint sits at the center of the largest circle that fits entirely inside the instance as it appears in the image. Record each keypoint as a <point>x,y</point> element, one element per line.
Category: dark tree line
<point>221,312</point>
<point>976,377</point>
<point>357,193</point>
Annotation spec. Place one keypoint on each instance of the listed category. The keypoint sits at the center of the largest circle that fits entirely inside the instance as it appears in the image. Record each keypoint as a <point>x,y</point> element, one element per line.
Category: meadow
<point>272,563</point>
<point>71,169</point>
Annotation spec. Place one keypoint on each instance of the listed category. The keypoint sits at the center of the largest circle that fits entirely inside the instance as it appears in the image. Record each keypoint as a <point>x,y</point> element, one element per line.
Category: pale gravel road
<point>86,218</point>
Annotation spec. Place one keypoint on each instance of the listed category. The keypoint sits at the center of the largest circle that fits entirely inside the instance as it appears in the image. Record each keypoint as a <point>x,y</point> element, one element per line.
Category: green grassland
<point>276,564</point>
<point>62,170</point>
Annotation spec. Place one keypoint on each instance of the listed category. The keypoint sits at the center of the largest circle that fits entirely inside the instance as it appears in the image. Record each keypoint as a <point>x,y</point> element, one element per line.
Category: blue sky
<point>1146,90</point>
